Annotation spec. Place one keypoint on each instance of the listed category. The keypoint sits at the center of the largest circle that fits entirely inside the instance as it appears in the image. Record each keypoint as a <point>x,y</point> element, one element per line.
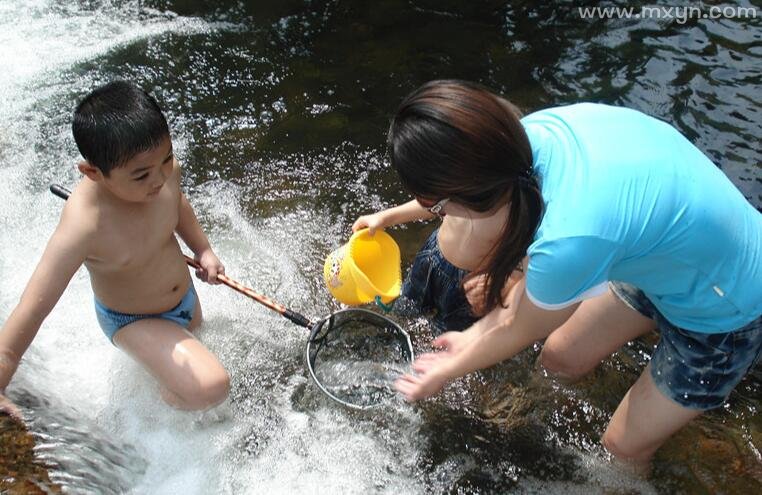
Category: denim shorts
<point>696,370</point>
<point>112,321</point>
<point>434,285</point>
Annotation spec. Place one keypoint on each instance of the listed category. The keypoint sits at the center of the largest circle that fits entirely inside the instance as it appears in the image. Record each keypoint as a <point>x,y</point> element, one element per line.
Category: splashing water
<point>356,356</point>
<point>280,130</point>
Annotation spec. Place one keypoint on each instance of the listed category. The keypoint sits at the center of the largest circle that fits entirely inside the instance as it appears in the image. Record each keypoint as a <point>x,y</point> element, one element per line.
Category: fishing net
<point>355,355</point>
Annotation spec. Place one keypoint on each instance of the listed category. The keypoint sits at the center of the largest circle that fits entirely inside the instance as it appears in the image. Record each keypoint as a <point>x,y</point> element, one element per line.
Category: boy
<point>120,221</point>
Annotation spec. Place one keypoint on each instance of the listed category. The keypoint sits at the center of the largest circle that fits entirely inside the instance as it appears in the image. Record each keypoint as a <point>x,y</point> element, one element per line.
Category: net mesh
<point>355,355</point>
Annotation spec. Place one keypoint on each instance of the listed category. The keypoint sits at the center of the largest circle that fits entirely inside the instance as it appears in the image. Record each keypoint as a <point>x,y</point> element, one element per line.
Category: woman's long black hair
<point>456,139</point>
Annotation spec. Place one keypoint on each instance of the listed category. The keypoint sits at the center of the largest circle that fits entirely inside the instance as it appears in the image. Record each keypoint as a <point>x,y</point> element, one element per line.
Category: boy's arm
<point>189,229</point>
<point>64,254</point>
<point>191,233</point>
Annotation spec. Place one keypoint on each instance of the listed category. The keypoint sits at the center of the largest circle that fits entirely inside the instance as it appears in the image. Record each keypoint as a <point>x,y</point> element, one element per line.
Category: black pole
<point>60,191</point>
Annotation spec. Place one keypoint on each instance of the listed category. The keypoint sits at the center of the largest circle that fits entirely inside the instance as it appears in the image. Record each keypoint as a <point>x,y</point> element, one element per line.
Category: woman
<point>627,227</point>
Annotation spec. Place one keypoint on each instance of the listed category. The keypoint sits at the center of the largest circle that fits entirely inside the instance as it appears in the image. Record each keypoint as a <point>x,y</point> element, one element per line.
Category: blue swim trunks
<point>112,321</point>
<point>695,369</point>
<point>434,285</point>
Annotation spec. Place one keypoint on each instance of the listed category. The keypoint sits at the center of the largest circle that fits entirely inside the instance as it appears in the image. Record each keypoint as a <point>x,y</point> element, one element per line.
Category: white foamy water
<point>98,417</point>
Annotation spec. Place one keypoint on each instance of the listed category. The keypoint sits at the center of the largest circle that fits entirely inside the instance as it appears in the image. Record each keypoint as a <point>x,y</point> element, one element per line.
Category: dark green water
<point>288,103</point>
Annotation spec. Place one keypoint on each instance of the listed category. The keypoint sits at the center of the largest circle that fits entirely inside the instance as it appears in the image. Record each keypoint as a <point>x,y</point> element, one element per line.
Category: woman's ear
<point>91,171</point>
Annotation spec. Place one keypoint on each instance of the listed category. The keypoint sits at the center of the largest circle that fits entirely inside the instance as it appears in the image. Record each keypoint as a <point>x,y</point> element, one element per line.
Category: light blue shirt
<point>628,198</point>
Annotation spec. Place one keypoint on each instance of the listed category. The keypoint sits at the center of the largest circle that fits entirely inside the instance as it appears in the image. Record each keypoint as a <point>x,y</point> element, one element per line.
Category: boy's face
<point>142,177</point>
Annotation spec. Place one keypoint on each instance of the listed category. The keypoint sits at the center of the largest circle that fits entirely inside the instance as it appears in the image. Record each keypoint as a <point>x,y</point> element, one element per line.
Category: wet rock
<point>20,471</point>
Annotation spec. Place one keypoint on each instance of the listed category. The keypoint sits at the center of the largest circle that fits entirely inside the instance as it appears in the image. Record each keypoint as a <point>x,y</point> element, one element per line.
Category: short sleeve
<point>567,270</point>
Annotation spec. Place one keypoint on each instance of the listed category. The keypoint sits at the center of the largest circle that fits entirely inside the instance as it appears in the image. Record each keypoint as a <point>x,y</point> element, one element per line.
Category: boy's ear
<point>91,171</point>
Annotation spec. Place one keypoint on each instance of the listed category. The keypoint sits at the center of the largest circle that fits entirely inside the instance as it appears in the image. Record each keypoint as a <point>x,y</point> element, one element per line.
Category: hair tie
<point>527,180</point>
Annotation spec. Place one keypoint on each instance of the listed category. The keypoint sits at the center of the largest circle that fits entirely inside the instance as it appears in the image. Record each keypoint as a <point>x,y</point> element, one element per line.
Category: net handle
<point>293,316</point>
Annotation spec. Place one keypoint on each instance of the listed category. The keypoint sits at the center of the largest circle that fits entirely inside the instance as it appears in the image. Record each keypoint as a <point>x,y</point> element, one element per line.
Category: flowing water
<point>358,359</point>
<point>278,111</point>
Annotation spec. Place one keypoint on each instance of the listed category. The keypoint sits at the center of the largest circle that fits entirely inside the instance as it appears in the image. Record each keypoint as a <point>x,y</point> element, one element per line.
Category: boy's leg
<point>198,317</point>
<point>597,328</point>
<point>191,377</point>
<point>642,422</point>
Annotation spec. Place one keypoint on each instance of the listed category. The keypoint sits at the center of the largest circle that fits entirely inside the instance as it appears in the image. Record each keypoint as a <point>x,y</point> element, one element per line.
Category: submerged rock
<point>21,472</point>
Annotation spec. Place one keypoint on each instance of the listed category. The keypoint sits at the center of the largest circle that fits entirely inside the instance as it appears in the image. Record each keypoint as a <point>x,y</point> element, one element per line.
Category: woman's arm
<point>407,212</point>
<point>500,342</point>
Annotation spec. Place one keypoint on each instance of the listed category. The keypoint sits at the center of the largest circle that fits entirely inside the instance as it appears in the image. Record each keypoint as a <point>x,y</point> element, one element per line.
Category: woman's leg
<point>689,372</point>
<point>191,377</point>
<point>644,420</point>
<point>597,328</point>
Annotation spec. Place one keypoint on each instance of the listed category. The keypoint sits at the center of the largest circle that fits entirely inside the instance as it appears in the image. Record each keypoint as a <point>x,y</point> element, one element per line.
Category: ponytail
<point>523,219</point>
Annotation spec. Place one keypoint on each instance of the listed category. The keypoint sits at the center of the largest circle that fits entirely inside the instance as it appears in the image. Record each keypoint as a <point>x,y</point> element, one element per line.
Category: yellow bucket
<point>364,268</point>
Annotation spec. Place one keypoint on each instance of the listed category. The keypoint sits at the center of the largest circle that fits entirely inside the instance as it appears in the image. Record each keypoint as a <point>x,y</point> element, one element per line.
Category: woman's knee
<point>557,358</point>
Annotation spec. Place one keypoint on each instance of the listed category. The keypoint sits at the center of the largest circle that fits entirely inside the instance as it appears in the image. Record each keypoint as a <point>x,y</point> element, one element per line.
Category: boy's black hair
<point>116,122</point>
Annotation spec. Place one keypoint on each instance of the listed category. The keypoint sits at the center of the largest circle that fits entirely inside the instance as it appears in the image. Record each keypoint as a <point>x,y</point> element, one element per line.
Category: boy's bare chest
<point>135,238</point>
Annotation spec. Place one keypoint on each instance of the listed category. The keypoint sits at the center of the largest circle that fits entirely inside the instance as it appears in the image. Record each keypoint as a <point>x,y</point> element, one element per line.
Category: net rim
<point>310,341</point>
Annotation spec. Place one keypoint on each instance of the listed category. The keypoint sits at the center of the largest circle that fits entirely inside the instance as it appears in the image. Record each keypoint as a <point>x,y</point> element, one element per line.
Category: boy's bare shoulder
<point>177,170</point>
<point>175,179</point>
<point>82,212</point>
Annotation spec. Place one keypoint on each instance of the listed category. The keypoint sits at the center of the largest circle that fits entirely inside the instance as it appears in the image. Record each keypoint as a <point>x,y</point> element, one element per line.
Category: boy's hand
<point>9,408</point>
<point>372,222</point>
<point>8,365</point>
<point>210,267</point>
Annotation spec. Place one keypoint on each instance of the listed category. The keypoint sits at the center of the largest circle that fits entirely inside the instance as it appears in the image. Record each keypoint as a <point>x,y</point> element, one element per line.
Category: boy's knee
<point>207,392</point>
<point>214,390</point>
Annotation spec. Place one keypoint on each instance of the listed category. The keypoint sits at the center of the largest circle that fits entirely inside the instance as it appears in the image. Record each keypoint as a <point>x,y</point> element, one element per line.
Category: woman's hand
<point>475,288</point>
<point>449,343</point>
<point>430,368</point>
<point>210,267</point>
<point>426,383</point>
<point>452,343</point>
<point>476,294</point>
<point>372,222</point>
